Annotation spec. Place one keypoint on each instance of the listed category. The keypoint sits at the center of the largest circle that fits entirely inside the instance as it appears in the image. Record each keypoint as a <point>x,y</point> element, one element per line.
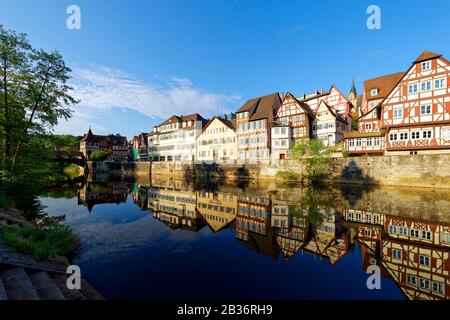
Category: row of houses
<point>408,112</point>
<point>400,113</point>
<point>263,128</point>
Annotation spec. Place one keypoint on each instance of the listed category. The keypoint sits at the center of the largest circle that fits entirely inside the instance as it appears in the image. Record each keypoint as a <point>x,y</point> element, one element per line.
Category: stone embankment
<point>431,170</point>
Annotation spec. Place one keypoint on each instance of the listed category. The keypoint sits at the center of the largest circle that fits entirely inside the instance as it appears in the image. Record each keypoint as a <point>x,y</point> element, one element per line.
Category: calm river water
<point>172,239</point>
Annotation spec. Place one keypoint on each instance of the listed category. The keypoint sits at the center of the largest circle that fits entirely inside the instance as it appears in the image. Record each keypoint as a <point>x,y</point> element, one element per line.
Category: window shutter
<point>433,262</point>
<point>434,63</point>
<point>416,257</point>
<point>405,90</point>
<point>389,252</point>
<point>418,67</point>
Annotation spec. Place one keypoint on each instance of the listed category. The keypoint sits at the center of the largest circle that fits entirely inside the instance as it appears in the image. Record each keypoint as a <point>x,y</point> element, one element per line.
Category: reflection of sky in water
<point>126,253</point>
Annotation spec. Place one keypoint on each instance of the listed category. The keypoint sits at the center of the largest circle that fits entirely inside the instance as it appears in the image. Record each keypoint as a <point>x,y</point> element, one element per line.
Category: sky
<point>136,63</point>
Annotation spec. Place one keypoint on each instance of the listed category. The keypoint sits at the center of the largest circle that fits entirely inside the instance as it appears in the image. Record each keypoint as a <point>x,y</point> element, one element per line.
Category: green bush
<point>288,175</point>
<point>99,156</point>
<point>41,242</point>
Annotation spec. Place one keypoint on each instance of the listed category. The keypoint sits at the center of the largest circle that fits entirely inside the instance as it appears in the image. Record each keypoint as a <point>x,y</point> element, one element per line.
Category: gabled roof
<point>262,106</point>
<point>172,119</point>
<point>378,107</point>
<point>265,106</point>
<point>302,104</point>
<point>427,55</point>
<point>384,84</point>
<point>249,104</point>
<point>333,112</point>
<point>192,117</point>
<point>230,124</point>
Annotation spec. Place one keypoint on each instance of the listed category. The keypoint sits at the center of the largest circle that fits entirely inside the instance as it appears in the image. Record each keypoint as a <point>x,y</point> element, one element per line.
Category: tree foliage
<point>315,157</point>
<point>34,96</point>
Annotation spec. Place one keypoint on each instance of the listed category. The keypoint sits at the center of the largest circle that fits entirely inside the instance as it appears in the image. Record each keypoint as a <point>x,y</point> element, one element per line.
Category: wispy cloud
<point>101,89</point>
<point>290,30</point>
<point>374,53</point>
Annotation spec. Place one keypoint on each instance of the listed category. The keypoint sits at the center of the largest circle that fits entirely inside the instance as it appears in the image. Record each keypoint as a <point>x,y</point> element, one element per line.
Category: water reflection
<point>405,232</point>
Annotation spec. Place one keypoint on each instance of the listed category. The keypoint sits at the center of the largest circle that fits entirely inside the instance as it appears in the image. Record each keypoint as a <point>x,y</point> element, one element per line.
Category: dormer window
<point>374,92</point>
<point>426,65</point>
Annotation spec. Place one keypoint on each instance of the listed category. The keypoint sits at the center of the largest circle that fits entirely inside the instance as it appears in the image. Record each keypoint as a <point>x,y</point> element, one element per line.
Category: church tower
<point>353,98</point>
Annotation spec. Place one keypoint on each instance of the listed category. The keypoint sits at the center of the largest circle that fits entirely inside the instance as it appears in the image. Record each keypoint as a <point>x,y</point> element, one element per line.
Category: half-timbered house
<point>416,113</point>
<point>253,122</point>
<point>329,125</point>
<point>292,123</point>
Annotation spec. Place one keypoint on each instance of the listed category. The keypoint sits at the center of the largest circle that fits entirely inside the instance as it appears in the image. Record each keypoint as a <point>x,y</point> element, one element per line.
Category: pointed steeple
<point>353,89</point>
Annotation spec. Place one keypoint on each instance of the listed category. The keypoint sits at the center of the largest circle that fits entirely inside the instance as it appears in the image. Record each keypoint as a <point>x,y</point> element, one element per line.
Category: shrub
<point>99,155</point>
<point>288,175</point>
<point>41,242</point>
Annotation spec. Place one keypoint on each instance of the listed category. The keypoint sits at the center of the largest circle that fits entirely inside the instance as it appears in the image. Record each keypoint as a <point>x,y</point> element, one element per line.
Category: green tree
<point>35,95</point>
<point>315,157</point>
<point>99,155</point>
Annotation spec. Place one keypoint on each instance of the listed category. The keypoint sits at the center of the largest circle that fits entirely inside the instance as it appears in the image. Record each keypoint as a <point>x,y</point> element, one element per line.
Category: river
<point>171,239</point>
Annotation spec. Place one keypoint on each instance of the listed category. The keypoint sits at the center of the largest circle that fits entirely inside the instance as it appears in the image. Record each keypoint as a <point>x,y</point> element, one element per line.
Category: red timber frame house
<point>415,116</point>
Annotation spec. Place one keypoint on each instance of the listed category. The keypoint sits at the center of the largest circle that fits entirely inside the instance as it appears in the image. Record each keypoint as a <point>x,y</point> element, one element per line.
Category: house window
<point>425,109</point>
<point>446,133</point>
<point>426,235</point>
<point>398,113</point>
<point>426,134</point>
<point>411,279</point>
<point>373,92</point>
<point>397,254</point>
<point>403,136</point>
<point>413,88</point>
<point>438,287</point>
<point>368,126</point>
<point>358,142</point>
<point>372,105</point>
<point>426,65</point>
<point>414,233</point>
<point>393,137</point>
<point>425,86</point>
<point>392,229</point>
<point>403,231</point>
<point>424,283</point>
<point>368,233</point>
<point>369,142</point>
<point>415,135</point>
<point>439,84</point>
<point>351,143</point>
<point>445,237</point>
<point>424,260</point>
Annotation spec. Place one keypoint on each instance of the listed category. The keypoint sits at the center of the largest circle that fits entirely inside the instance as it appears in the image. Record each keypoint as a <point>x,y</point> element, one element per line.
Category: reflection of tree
<point>315,205</point>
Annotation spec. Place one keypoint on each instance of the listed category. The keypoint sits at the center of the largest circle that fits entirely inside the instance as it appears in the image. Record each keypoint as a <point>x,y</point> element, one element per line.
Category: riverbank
<point>26,277</point>
<point>430,171</point>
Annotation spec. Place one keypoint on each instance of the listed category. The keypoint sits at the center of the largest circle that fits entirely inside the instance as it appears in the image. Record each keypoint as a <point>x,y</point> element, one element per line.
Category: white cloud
<point>101,89</point>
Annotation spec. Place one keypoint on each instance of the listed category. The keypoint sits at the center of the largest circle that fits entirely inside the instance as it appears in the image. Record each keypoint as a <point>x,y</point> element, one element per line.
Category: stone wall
<point>431,170</point>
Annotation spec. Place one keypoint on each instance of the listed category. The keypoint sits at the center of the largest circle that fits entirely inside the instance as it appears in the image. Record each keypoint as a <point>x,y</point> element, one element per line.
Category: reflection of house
<point>140,196</point>
<point>99,193</point>
<point>253,225</point>
<point>293,227</point>
<point>328,239</point>
<point>414,252</point>
<point>218,209</point>
<point>115,145</point>
<point>176,208</point>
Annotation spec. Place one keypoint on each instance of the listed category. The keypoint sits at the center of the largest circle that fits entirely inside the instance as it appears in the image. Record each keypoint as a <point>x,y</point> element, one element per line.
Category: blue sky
<point>138,62</point>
